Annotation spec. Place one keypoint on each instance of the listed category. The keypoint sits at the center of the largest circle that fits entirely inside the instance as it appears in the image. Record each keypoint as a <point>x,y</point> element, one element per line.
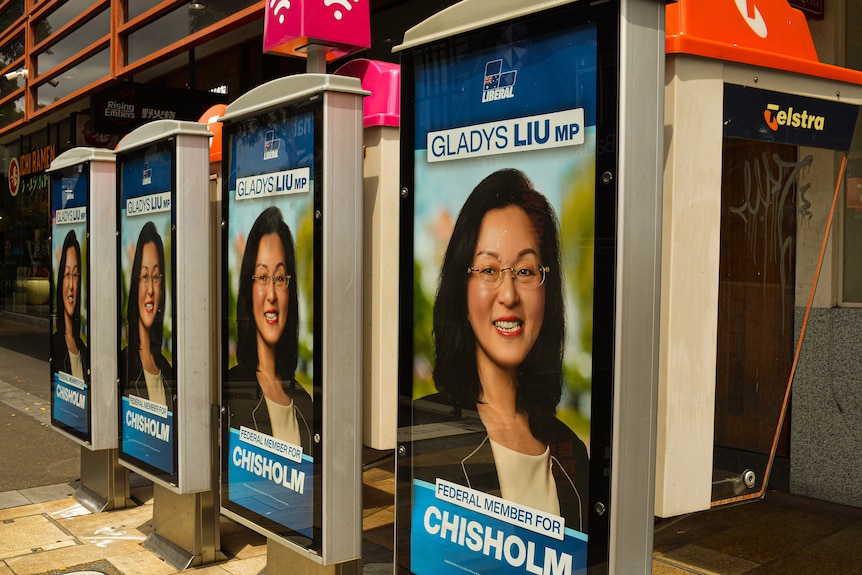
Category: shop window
<point>81,38</point>
<point>179,24</point>
<point>7,87</point>
<point>82,74</point>
<point>138,7</point>
<point>11,112</point>
<point>11,50</point>
<point>62,15</point>
<point>10,12</point>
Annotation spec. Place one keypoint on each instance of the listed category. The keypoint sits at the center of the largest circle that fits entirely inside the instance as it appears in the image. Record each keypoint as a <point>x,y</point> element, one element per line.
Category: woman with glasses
<point>499,326</point>
<point>261,392</point>
<point>69,354</point>
<point>149,374</point>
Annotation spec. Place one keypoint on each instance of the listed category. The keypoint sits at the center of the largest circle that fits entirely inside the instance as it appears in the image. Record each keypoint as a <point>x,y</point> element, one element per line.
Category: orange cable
<point>759,494</point>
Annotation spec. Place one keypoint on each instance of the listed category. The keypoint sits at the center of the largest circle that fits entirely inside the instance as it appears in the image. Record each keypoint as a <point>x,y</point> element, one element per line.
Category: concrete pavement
<point>45,531</point>
<point>33,453</point>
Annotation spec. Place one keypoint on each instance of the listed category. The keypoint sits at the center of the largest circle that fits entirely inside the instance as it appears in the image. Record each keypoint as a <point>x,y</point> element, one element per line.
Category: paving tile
<point>65,509</point>
<point>812,561</point>
<point>382,536</point>
<point>250,566</point>
<point>101,528</point>
<point>54,509</point>
<point>660,568</point>
<point>846,543</point>
<point>759,541</point>
<point>30,535</point>
<point>38,563</point>
<point>141,563</point>
<point>102,566</point>
<point>707,561</point>
<point>378,519</point>
<point>49,492</point>
<point>374,498</point>
<point>673,533</point>
<point>242,544</point>
<point>10,499</point>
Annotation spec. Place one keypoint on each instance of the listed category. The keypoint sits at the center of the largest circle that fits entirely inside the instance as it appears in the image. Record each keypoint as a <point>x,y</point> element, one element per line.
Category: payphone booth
<point>165,320</point>
<point>530,154</point>
<point>291,298</point>
<point>83,332</point>
<point>380,206</point>
<point>762,140</point>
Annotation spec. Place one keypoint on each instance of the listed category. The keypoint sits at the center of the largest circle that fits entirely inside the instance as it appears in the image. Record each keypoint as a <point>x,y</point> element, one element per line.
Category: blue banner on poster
<point>146,175</point>
<point>280,146</point>
<point>543,76</point>
<point>272,478</point>
<point>71,402</point>
<point>70,199</point>
<point>148,430</point>
<point>457,530</point>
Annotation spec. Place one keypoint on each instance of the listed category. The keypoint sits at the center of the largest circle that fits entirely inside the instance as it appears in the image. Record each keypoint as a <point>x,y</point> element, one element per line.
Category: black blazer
<point>132,377</point>
<point>244,404</point>
<point>460,452</point>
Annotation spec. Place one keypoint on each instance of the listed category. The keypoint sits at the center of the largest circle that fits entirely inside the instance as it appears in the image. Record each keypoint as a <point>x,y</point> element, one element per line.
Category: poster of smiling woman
<point>70,357</point>
<point>148,387</point>
<point>503,170</point>
<point>268,377</point>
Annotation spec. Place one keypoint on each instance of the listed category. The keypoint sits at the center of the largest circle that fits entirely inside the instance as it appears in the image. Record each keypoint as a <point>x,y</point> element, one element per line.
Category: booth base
<point>104,482</point>
<point>173,555</point>
<point>281,559</point>
<point>185,528</point>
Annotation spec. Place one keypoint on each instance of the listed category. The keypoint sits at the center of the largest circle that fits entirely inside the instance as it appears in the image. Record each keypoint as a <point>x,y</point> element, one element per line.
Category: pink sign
<point>343,26</point>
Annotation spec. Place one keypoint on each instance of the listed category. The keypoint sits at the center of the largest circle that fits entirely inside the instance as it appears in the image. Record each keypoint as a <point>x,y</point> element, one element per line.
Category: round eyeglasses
<point>154,279</point>
<point>528,276</point>
<point>280,281</point>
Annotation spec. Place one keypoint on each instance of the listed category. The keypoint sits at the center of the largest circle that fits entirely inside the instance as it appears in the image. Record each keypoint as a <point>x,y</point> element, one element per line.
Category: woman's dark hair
<point>540,376</point>
<point>71,241</point>
<point>148,234</point>
<point>287,349</point>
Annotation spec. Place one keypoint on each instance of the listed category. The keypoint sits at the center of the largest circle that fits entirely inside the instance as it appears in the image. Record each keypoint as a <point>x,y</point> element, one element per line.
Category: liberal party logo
<point>499,85</point>
<point>776,117</point>
<point>147,178</point>
<point>270,145</point>
<point>68,191</point>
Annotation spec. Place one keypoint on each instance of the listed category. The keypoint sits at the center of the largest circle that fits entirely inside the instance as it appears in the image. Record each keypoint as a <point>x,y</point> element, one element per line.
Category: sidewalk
<point>44,531</point>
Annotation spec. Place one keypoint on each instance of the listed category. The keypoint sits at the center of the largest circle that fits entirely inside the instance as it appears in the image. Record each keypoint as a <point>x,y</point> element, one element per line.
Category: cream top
<point>155,387</point>
<point>283,420</point>
<point>526,479</point>
<point>77,365</point>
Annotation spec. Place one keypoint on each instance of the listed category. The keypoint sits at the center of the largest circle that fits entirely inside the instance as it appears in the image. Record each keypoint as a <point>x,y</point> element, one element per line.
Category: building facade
<point>75,72</point>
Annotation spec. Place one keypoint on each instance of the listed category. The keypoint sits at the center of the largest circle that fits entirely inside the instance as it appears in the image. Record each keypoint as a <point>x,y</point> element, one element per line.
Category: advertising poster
<point>148,388</point>
<point>504,155</point>
<point>70,358</point>
<point>268,370</point>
